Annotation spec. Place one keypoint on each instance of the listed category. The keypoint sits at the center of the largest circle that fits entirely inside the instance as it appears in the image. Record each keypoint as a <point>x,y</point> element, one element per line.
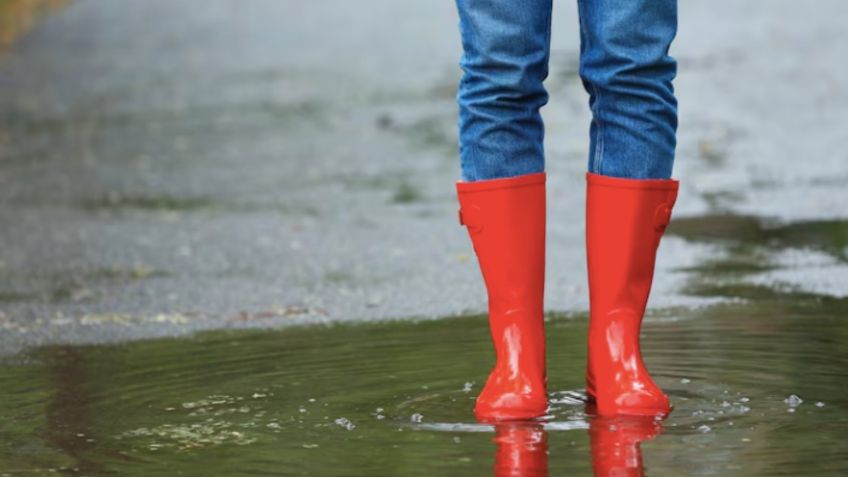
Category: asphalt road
<point>167,167</point>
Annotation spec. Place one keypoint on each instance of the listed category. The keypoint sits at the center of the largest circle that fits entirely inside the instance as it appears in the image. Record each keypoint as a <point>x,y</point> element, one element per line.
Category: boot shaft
<point>625,219</point>
<point>505,219</point>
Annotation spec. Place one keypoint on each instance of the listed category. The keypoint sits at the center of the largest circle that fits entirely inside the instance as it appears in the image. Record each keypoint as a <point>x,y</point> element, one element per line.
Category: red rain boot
<point>625,219</point>
<point>615,444</point>
<point>522,450</point>
<point>506,222</point>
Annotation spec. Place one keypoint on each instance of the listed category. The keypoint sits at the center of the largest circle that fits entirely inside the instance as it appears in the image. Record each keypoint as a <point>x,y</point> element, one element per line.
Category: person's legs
<point>506,45</point>
<point>502,191</point>
<point>626,69</point>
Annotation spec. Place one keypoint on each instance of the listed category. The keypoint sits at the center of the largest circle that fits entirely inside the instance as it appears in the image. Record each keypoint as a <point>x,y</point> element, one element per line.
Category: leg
<point>502,194</point>
<point>506,46</point>
<point>626,69</point>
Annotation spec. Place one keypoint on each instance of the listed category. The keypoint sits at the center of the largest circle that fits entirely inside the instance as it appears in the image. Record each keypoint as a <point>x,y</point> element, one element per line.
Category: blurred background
<point>169,167</point>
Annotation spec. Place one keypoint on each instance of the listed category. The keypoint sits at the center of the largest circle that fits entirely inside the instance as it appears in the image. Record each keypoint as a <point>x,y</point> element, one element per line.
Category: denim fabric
<point>624,66</point>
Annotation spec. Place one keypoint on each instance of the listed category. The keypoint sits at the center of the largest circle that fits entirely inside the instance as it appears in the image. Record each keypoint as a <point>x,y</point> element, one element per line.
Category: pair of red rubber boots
<point>625,219</point>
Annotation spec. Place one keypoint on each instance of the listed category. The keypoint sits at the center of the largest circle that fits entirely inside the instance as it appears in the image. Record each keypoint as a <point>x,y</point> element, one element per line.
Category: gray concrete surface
<point>168,167</point>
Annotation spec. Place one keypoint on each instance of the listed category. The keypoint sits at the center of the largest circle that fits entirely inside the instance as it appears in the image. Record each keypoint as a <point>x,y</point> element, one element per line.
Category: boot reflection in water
<point>522,450</point>
<point>616,443</point>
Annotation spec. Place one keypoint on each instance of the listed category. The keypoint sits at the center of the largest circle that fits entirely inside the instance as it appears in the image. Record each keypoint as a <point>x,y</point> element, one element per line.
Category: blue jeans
<point>624,66</point>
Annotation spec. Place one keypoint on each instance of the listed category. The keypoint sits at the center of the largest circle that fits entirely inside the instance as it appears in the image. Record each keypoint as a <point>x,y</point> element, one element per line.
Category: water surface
<point>757,388</point>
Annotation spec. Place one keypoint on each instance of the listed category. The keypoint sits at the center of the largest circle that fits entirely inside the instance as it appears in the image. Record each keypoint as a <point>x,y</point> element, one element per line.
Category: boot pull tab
<point>470,218</point>
<point>662,216</point>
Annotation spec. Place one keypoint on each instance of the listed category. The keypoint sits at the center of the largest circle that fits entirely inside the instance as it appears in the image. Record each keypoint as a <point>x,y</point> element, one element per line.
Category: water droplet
<point>704,429</point>
<point>467,387</point>
<point>345,422</point>
<point>685,381</point>
<point>793,400</point>
<point>819,404</point>
<point>416,417</point>
<point>744,399</point>
<point>745,439</point>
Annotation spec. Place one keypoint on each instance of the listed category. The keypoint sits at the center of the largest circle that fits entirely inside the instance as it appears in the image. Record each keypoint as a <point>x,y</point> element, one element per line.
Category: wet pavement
<point>200,166</point>
<point>175,167</point>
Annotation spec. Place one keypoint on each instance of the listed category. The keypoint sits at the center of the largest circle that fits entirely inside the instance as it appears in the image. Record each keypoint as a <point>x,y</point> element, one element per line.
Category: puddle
<point>757,390</point>
<point>830,236</point>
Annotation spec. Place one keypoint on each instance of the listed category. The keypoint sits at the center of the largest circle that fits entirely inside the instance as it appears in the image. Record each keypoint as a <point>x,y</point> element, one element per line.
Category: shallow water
<point>396,399</point>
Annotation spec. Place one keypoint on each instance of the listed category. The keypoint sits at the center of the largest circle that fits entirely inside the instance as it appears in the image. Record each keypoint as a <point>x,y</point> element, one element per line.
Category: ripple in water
<point>757,391</point>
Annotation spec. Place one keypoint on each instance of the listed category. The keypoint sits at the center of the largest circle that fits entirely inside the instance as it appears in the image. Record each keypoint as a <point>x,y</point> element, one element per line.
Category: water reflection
<point>70,420</point>
<point>521,448</point>
<point>360,398</point>
<point>615,444</point>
